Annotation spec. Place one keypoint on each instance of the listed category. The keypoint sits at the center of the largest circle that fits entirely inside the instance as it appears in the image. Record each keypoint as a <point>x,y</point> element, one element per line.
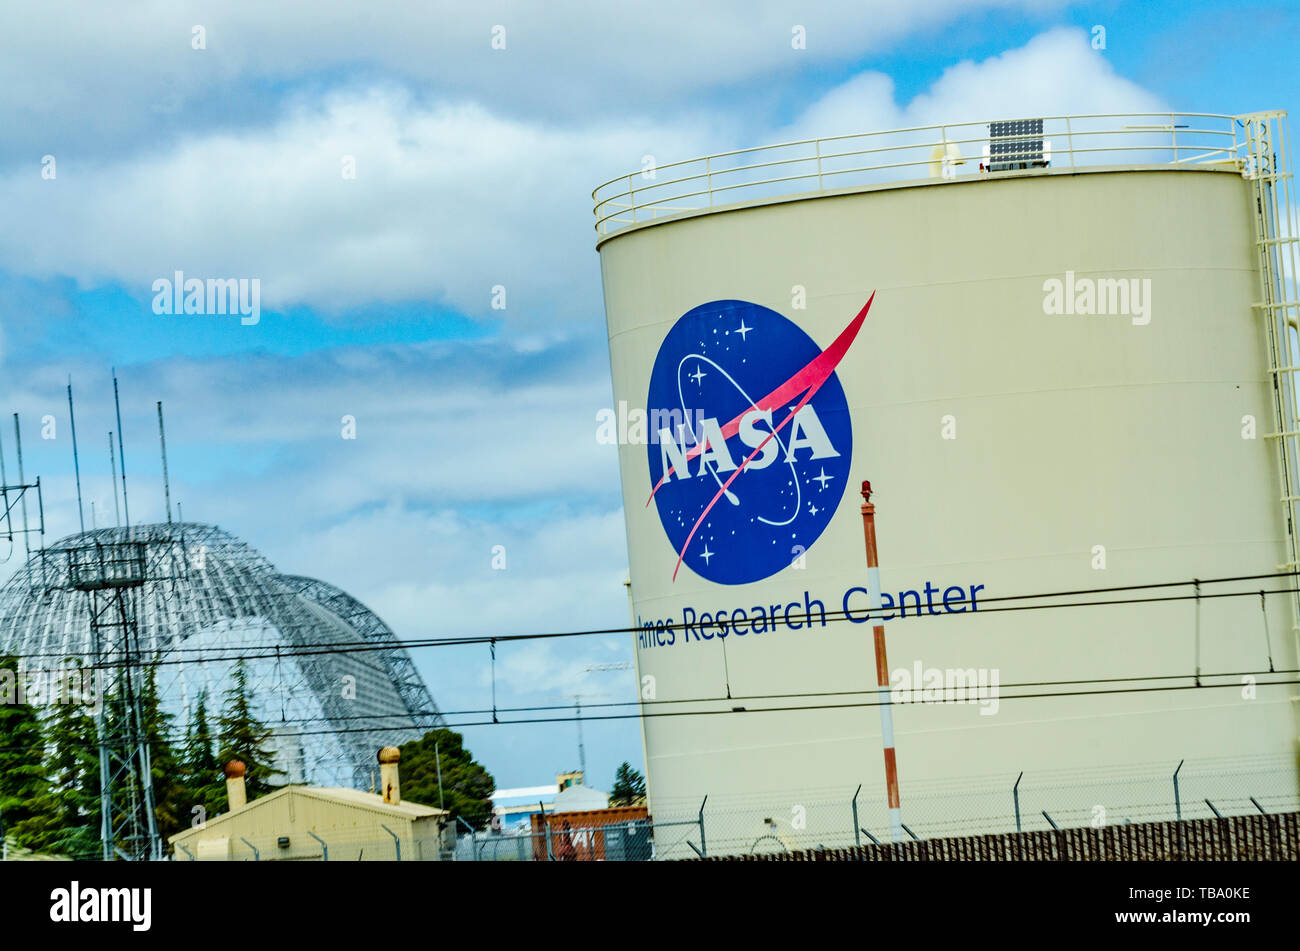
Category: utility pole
<point>582,752</point>
<point>882,667</point>
<point>437,758</point>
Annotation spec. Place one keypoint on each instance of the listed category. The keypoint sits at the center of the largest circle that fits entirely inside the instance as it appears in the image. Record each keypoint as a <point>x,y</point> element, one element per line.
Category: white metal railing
<point>954,151</point>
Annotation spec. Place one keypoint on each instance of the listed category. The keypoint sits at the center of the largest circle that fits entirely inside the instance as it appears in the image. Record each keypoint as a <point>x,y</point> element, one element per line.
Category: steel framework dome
<point>325,673</point>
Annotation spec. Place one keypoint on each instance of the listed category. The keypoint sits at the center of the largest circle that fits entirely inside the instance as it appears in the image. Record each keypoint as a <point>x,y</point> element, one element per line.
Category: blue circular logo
<point>750,439</point>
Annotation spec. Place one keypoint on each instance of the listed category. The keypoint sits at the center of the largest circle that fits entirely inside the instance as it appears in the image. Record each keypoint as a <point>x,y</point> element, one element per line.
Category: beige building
<point>305,823</point>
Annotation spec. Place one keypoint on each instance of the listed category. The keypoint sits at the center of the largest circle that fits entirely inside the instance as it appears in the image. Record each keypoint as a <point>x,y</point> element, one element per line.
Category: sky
<point>215,139</point>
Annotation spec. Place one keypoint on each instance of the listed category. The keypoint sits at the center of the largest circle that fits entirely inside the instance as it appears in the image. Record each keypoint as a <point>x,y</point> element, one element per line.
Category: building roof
<point>526,792</point>
<point>336,794</point>
<point>580,799</point>
<point>355,797</point>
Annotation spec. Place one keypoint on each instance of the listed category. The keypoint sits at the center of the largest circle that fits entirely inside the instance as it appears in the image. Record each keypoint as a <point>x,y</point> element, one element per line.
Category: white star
<point>743,330</point>
<point>706,554</point>
<point>812,510</point>
<point>697,376</point>
<point>823,478</point>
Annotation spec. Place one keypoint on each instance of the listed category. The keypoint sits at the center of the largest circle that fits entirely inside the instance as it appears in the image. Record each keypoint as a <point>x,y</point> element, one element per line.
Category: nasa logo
<point>750,439</point>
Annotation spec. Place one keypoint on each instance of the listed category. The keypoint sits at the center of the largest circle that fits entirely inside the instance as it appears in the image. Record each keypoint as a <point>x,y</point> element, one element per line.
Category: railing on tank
<point>962,150</point>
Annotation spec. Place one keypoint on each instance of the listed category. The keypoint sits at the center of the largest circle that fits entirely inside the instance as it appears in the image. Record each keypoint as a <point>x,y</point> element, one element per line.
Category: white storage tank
<point>1063,383</point>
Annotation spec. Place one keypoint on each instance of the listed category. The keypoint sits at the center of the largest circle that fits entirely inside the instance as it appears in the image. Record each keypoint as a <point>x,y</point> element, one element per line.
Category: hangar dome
<point>201,599</point>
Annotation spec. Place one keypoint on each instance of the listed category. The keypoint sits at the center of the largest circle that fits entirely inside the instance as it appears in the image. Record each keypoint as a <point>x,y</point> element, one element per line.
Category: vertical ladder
<point>1266,164</point>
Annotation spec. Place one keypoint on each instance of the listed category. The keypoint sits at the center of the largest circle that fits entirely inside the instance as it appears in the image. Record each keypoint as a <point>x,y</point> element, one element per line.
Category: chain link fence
<point>818,820</point>
<point>831,820</point>
<point>1025,802</point>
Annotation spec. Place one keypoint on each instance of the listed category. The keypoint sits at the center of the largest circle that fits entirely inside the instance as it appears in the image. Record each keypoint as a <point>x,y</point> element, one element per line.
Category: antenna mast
<point>18,438</point>
<point>76,463</point>
<point>121,454</point>
<point>4,492</point>
<point>582,751</point>
<point>162,438</point>
<point>112,468</point>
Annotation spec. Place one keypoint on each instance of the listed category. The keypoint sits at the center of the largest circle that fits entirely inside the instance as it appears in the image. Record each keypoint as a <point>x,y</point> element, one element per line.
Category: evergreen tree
<point>466,786</point>
<point>69,806</point>
<point>171,798</point>
<point>200,769</point>
<point>243,737</point>
<point>23,779</point>
<point>629,786</point>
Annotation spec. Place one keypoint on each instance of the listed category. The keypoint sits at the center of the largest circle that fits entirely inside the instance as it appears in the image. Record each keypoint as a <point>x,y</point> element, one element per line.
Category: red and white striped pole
<point>882,667</point>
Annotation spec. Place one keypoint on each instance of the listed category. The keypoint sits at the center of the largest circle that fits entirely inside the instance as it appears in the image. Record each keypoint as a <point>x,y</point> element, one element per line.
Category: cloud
<point>108,78</point>
<point>1056,73</point>
<point>450,200</point>
<point>447,203</point>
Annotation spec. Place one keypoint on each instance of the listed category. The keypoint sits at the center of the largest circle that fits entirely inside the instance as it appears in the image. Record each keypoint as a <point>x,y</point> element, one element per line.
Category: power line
<point>307,649</point>
<point>861,617</point>
<point>738,710</point>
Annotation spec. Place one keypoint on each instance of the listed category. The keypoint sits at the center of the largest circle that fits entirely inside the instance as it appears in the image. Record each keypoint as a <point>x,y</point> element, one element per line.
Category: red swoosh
<point>810,378</point>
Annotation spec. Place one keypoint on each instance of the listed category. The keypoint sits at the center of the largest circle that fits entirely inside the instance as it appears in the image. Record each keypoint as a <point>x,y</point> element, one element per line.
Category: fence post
<point>857,836</point>
<point>473,839</point>
<point>397,841</point>
<point>1178,806</point>
<point>1015,797</point>
<point>704,849</point>
<point>1196,587</point>
<point>546,831</point>
<point>324,849</point>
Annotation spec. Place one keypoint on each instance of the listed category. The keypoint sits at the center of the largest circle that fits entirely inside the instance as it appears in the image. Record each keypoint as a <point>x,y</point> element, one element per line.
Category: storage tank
<point>1050,345</point>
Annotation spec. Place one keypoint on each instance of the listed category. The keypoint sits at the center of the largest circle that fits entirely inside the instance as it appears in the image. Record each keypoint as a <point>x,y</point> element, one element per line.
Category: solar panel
<point>1016,144</point>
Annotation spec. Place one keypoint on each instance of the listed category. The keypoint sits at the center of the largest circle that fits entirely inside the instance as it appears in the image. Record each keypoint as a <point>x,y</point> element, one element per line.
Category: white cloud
<point>1055,73</point>
<point>97,73</point>
<point>450,200</point>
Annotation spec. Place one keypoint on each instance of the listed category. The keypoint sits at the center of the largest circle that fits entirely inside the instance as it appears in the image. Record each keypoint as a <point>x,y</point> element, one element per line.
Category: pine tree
<point>200,769</point>
<point>70,804</point>
<point>171,799</point>
<point>466,786</point>
<point>23,778</point>
<point>243,737</point>
<point>629,786</point>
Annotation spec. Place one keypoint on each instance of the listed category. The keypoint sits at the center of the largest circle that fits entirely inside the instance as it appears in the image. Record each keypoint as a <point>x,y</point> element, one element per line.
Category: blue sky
<point>473,166</point>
